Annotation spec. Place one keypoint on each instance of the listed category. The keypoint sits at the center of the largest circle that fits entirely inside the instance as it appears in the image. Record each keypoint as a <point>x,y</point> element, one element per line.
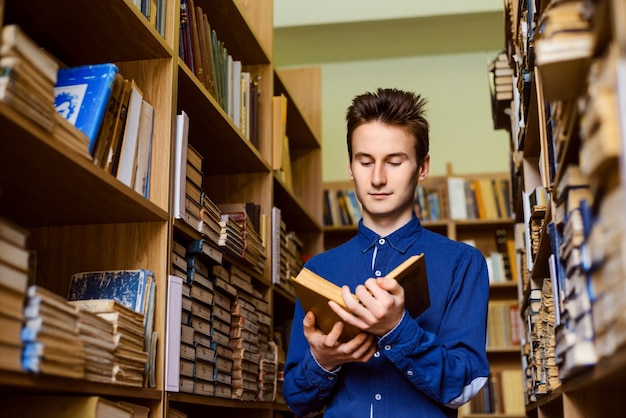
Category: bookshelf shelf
<point>81,218</point>
<point>586,361</point>
<point>27,164</point>
<point>13,382</point>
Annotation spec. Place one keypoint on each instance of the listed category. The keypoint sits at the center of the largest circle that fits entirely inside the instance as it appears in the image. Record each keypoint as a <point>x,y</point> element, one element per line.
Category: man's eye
<point>366,163</point>
<point>395,163</point>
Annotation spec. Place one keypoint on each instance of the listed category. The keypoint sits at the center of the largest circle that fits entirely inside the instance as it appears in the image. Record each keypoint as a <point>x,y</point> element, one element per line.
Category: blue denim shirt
<point>424,367</point>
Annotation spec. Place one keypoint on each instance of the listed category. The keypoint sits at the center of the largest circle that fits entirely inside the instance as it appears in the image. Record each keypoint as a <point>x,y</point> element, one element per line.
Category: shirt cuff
<point>334,371</point>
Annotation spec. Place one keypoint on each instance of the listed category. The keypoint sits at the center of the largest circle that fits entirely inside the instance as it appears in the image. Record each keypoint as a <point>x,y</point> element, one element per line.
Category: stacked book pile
<point>126,298</point>
<point>210,215</point>
<point>241,233</point>
<point>14,260</point>
<point>244,340</point>
<point>52,343</point>
<point>27,77</point>
<point>122,342</point>
<point>254,369</point>
<point>225,293</point>
<point>191,209</point>
<point>100,341</point>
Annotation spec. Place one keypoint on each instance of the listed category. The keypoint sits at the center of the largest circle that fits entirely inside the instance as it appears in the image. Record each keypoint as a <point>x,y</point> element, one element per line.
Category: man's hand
<point>379,309</point>
<point>329,352</point>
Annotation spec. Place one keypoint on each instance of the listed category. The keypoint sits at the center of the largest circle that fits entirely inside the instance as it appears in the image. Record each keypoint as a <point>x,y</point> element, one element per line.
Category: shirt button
<point>377,354</point>
<point>378,397</point>
<point>381,241</point>
<point>377,273</point>
<point>331,377</point>
<point>387,347</point>
<point>409,373</point>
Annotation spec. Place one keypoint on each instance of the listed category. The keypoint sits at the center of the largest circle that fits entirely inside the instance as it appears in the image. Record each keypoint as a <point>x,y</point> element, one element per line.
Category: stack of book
<point>210,216</point>
<point>268,372</point>
<point>501,75</point>
<point>127,347</point>
<point>134,290</point>
<point>27,77</point>
<point>225,294</point>
<point>100,341</point>
<point>52,343</point>
<point>242,233</point>
<point>14,267</point>
<point>231,236</point>
<point>539,354</point>
<point>192,208</point>
<point>244,340</point>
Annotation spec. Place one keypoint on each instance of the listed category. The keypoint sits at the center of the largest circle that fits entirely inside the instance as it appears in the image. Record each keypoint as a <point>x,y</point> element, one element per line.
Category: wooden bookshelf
<point>81,218</point>
<point>551,138</point>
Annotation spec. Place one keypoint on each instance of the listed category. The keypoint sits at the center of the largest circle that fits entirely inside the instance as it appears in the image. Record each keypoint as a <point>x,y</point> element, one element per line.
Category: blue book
<point>81,95</point>
<point>130,288</point>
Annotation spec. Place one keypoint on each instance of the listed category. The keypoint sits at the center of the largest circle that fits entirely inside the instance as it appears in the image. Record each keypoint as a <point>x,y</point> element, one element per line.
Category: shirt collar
<point>401,239</point>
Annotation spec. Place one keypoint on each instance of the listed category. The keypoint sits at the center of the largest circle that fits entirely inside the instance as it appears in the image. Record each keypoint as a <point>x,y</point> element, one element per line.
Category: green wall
<point>459,109</point>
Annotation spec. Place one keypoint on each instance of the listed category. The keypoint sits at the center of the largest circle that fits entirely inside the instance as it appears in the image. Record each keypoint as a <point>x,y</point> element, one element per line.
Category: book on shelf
<point>141,182</point>
<point>105,133</point>
<point>126,168</point>
<point>109,156</point>
<point>314,293</point>
<point>180,162</point>
<point>81,95</point>
<point>173,333</point>
<point>63,406</point>
<point>131,288</point>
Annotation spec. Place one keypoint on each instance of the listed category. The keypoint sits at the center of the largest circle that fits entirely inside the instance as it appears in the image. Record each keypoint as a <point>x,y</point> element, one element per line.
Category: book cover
<point>180,163</point>
<point>128,287</point>
<point>314,293</point>
<point>126,168</point>
<point>81,95</point>
<point>144,150</point>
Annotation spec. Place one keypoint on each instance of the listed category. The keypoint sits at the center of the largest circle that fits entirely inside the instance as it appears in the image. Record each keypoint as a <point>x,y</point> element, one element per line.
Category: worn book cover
<point>81,95</point>
<point>314,293</point>
<point>131,288</point>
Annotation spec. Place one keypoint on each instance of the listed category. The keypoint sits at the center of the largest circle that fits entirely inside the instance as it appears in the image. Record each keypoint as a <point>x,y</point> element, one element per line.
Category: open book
<point>314,292</point>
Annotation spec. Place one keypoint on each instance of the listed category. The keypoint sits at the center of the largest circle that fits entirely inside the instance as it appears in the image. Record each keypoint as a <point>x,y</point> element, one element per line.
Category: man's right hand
<point>329,352</point>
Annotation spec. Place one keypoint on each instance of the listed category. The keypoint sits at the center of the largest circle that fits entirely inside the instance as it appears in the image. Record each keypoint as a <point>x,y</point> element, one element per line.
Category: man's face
<point>385,173</point>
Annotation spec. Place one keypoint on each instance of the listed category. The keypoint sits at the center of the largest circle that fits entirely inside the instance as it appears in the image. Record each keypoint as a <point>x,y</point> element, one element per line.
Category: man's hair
<point>392,107</point>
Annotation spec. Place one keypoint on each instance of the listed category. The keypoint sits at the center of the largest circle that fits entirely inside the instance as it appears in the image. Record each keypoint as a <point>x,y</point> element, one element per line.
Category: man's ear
<point>350,175</point>
<point>424,169</point>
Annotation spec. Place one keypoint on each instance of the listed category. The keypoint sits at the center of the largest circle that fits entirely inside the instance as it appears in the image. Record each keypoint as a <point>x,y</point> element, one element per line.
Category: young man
<point>398,366</point>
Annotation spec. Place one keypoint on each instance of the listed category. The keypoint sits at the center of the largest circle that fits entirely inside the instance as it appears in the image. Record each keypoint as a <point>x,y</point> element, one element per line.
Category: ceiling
<point>385,39</point>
